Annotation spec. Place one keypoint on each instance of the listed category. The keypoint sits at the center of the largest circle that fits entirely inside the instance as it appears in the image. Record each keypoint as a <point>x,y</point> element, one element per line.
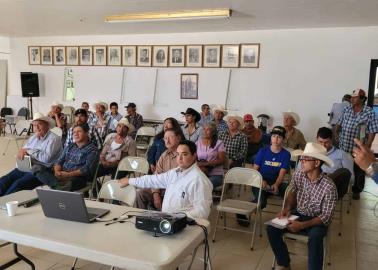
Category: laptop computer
<point>68,206</point>
<point>24,198</point>
<point>24,165</point>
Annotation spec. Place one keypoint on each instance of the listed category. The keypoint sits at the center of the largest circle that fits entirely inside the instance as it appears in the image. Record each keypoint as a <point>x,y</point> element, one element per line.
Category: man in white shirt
<point>188,189</point>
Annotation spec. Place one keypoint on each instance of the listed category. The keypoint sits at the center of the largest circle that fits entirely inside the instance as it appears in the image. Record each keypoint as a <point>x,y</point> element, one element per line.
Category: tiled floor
<point>357,248</point>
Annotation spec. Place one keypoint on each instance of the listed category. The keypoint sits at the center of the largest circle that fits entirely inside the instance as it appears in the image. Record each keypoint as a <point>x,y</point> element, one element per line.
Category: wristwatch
<point>373,168</point>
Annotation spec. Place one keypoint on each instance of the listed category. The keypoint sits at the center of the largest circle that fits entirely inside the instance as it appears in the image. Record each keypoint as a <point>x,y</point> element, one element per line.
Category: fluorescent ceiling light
<point>171,15</point>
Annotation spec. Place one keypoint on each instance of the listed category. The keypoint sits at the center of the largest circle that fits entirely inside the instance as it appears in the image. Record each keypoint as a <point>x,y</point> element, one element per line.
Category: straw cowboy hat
<point>40,117</point>
<point>102,104</point>
<point>315,150</point>
<point>56,103</point>
<point>125,122</point>
<point>219,108</point>
<point>237,118</point>
<point>294,115</point>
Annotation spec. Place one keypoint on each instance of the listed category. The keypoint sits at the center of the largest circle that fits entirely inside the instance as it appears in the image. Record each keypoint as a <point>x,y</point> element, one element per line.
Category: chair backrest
<point>6,111</point>
<point>23,112</point>
<point>111,190</point>
<point>146,131</point>
<point>57,131</point>
<point>341,178</point>
<point>133,164</point>
<point>22,126</point>
<point>243,176</point>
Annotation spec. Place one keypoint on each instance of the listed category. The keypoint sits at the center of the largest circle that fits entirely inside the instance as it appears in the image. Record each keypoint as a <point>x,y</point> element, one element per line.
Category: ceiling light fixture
<point>171,15</point>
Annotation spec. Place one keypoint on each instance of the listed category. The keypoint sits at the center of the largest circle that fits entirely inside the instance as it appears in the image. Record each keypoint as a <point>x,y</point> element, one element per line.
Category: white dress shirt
<point>187,191</point>
<point>341,159</point>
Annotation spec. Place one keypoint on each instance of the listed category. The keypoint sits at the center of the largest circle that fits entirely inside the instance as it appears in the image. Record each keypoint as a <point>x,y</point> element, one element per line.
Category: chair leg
<point>224,221</point>
<point>254,230</point>
<point>274,262</point>
<point>6,148</point>
<point>74,264</point>
<point>260,221</point>
<point>111,267</point>
<point>216,225</point>
<point>193,257</point>
<point>341,217</point>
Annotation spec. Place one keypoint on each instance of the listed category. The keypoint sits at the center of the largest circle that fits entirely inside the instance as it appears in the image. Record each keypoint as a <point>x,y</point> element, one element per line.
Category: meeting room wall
<point>305,70</point>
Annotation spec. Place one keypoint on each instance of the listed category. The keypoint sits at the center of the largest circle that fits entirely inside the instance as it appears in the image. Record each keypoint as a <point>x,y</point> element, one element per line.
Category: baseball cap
<point>248,117</point>
<point>81,111</point>
<point>279,130</point>
<point>358,93</point>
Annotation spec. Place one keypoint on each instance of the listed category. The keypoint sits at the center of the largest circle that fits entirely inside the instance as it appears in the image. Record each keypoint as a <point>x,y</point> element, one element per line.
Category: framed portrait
<point>160,56</point>
<point>129,56</point>
<point>72,55</point>
<point>189,86</point>
<point>34,55</point>
<point>114,56</point>
<point>193,56</point>
<point>211,56</point>
<point>46,55</point>
<point>230,55</point>
<point>99,55</point>
<point>177,56</point>
<point>86,55</point>
<point>249,55</point>
<point>144,56</point>
<point>59,54</point>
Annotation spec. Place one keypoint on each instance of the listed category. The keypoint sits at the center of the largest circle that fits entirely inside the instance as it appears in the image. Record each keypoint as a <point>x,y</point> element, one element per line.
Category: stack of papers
<point>281,223</point>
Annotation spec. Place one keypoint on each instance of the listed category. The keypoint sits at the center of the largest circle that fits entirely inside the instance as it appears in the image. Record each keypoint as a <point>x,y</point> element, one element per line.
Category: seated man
<point>59,117</point>
<point>44,148</point>
<point>188,189</point>
<point>313,198</point>
<point>75,165</point>
<point>100,120</point>
<point>254,136</point>
<point>134,118</point>
<point>115,116</point>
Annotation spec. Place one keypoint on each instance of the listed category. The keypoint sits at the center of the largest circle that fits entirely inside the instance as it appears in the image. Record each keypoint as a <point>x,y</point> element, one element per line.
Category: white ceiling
<point>86,17</point>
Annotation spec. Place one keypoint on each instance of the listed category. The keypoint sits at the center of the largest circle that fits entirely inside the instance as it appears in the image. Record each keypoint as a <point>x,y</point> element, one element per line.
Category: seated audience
<point>100,120</point>
<point>254,136</point>
<point>85,106</point>
<point>235,142</point>
<point>81,118</point>
<point>44,148</point>
<point>188,190</point>
<point>294,137</point>
<point>312,197</point>
<point>366,160</point>
<point>115,116</point>
<point>158,145</point>
<point>206,116</point>
<point>336,113</point>
<point>117,146</point>
<point>59,117</point>
<point>134,118</point>
<point>75,165</point>
<point>211,154</point>
<point>192,131</point>
<point>219,112</point>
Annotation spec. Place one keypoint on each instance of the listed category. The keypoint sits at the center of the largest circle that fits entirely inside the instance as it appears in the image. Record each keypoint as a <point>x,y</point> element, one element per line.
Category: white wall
<point>304,70</point>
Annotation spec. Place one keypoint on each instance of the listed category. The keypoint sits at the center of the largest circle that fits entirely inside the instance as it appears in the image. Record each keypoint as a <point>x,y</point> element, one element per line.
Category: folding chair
<point>246,177</point>
<point>135,165</point>
<point>91,185</point>
<point>57,131</point>
<point>144,138</point>
<point>21,127</point>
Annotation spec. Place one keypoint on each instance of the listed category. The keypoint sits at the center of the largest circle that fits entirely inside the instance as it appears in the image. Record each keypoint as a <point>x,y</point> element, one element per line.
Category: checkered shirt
<point>315,198</point>
<point>222,126</point>
<point>136,121</point>
<point>103,130</point>
<point>236,147</point>
<point>351,122</point>
<point>93,136</point>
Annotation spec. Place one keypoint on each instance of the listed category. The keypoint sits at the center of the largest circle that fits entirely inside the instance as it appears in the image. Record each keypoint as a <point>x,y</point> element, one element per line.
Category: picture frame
<point>129,56</point>
<point>86,55</point>
<point>114,55</point>
<point>250,55</point>
<point>99,55</point>
<point>160,56</point>
<point>47,55</point>
<point>34,53</point>
<point>193,56</point>
<point>230,55</point>
<point>144,56</point>
<point>211,55</point>
<point>72,55</point>
<point>177,56</point>
<point>189,86</point>
<point>59,55</point>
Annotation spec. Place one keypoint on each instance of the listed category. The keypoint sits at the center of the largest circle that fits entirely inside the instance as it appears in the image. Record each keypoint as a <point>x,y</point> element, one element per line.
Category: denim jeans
<point>17,180</point>
<point>265,195</point>
<point>216,180</point>
<point>314,244</point>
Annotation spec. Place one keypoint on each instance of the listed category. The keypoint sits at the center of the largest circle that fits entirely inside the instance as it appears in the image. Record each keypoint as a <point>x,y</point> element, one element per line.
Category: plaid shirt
<point>93,136</point>
<point>315,198</point>
<point>236,147</point>
<point>103,129</point>
<point>222,126</point>
<point>351,123</point>
<point>137,122</point>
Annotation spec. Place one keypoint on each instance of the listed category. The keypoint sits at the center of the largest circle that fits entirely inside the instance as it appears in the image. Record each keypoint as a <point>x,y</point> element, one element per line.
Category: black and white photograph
<point>160,56</point>
<point>59,55</point>
<point>176,56</point>
<point>114,55</point>
<point>211,56</point>
<point>72,55</point>
<point>189,86</point>
<point>230,55</point>
<point>99,55</point>
<point>144,56</point>
<point>46,55</point>
<point>34,55</point>
<point>86,56</point>
<point>193,56</point>
<point>249,55</point>
<point>129,56</point>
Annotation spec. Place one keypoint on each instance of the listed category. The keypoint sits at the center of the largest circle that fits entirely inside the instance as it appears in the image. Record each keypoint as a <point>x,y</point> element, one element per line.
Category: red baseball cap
<point>358,93</point>
<point>248,117</point>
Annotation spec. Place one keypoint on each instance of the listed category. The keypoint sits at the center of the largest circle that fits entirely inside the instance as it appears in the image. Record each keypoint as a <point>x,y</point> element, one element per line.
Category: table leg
<point>20,257</point>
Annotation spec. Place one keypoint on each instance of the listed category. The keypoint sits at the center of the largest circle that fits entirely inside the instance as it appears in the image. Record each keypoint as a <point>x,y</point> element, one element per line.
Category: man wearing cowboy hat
<point>192,130</point>
<point>313,198</point>
<point>59,117</point>
<point>134,118</point>
<point>219,112</point>
<point>101,119</point>
<point>44,148</point>
<point>235,142</point>
<point>294,137</point>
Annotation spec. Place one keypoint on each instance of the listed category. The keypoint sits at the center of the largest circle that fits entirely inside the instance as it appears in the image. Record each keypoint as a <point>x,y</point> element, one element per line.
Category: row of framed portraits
<point>227,55</point>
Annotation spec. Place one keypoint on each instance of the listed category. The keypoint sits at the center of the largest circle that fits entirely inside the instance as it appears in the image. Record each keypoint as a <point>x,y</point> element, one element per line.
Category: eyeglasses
<point>305,159</point>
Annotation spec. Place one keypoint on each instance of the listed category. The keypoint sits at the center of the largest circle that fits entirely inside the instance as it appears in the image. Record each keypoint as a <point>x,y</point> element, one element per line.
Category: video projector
<point>161,223</point>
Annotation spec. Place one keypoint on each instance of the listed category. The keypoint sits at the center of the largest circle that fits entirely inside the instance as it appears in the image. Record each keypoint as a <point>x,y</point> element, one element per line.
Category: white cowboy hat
<point>236,117</point>
<point>56,103</point>
<point>102,104</point>
<point>219,108</point>
<point>40,117</point>
<point>294,115</point>
<point>314,150</point>
<point>125,122</point>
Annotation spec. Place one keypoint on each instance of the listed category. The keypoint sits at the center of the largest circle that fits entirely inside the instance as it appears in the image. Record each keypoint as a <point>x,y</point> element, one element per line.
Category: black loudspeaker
<point>29,84</point>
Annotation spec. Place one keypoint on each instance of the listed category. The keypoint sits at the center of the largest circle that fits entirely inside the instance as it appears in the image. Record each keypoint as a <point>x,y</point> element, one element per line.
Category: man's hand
<point>157,200</point>
<point>363,156</point>
<point>274,188</point>
<point>124,182</point>
<point>153,168</point>
<point>264,184</point>
<point>295,226</point>
<point>22,153</point>
<point>284,213</point>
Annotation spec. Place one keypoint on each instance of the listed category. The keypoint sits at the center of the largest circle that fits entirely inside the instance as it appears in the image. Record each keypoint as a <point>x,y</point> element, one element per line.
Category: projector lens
<point>165,226</point>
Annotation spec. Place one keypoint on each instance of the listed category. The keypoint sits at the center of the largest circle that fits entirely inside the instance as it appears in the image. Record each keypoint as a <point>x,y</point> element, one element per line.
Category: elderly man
<point>188,190</point>
<point>44,148</point>
<point>59,117</point>
<point>254,136</point>
<point>206,116</point>
<point>313,198</point>
<point>134,118</point>
<point>294,137</point>
<point>357,121</point>
<point>81,117</point>
<point>85,106</point>
<point>101,119</point>
<point>219,112</point>
<point>115,116</point>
